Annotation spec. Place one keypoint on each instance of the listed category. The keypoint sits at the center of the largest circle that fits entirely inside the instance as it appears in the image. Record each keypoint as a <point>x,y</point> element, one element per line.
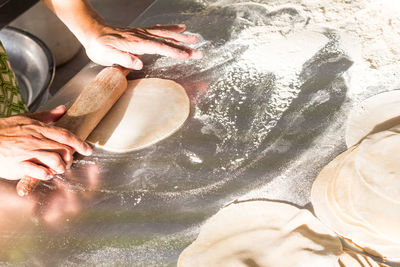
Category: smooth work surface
<point>267,113</point>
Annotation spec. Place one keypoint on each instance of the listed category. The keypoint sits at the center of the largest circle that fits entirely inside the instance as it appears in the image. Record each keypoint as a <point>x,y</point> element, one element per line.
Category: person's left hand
<point>122,46</point>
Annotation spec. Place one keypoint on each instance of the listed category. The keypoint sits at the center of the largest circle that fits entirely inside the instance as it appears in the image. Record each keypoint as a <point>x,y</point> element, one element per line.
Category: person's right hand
<point>30,146</point>
<point>108,45</point>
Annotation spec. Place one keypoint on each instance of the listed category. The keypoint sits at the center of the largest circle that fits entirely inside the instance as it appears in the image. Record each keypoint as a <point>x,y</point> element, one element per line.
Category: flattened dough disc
<point>262,233</point>
<point>149,111</point>
<point>375,114</point>
<point>352,211</point>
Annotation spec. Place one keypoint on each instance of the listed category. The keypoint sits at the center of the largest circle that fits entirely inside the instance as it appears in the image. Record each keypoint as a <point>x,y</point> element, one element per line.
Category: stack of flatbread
<point>358,194</point>
<point>356,197</point>
<point>266,233</point>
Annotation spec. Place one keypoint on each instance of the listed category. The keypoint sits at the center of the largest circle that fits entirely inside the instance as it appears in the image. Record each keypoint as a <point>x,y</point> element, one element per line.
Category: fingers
<point>64,151</point>
<point>43,144</point>
<point>174,36</point>
<point>52,160</point>
<point>156,41</point>
<point>66,155</point>
<point>34,170</point>
<point>172,28</point>
<point>49,116</point>
<point>175,50</point>
<point>125,59</point>
<point>32,148</point>
<point>196,54</point>
<point>43,164</point>
<point>122,45</point>
<point>65,137</point>
<point>149,46</point>
<point>173,32</point>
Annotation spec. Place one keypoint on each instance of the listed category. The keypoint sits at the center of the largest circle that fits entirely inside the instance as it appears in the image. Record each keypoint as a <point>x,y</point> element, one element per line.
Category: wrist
<point>89,30</point>
<point>80,17</point>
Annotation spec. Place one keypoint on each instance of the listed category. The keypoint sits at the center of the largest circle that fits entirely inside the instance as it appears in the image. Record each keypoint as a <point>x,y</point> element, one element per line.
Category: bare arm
<point>107,45</point>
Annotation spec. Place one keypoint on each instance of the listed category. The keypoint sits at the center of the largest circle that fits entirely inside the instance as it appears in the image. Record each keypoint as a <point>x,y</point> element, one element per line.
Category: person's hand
<point>106,45</point>
<point>122,46</point>
<point>30,146</point>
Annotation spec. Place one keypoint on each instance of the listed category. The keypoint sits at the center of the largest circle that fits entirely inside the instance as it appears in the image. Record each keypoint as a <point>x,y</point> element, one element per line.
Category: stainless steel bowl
<point>32,62</point>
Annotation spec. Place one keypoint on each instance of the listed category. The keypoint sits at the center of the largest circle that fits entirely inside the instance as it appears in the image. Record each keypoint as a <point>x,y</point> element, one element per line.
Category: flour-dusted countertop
<point>269,103</point>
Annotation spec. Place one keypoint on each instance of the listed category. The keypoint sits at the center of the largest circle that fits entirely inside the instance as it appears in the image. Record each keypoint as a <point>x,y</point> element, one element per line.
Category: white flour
<point>369,33</point>
<point>257,59</point>
<point>258,70</point>
<point>265,53</point>
<point>374,24</point>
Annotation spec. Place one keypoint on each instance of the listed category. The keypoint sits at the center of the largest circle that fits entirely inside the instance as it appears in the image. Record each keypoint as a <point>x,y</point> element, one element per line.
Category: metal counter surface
<point>250,128</point>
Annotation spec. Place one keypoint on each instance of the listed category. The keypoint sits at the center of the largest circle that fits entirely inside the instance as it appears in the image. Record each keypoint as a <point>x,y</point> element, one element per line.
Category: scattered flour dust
<point>258,66</point>
<point>370,34</point>
<point>279,36</point>
<point>266,52</point>
<point>282,35</point>
<point>284,57</point>
<point>374,24</point>
<point>84,162</point>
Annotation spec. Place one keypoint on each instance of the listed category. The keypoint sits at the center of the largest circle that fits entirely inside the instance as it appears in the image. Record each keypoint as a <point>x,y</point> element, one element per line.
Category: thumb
<point>49,116</point>
<point>125,59</point>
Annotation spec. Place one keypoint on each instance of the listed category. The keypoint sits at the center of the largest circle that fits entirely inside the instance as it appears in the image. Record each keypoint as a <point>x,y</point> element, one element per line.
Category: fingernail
<point>138,64</point>
<point>60,107</point>
<point>49,177</point>
<point>88,151</point>
<point>181,25</point>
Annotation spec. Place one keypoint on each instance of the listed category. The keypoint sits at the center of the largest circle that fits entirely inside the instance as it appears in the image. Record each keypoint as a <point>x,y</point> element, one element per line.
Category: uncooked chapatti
<point>375,114</point>
<point>263,233</point>
<point>355,195</point>
<point>149,111</point>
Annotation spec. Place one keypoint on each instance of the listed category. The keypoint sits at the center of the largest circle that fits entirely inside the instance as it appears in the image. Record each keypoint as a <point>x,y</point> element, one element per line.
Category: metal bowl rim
<point>50,59</point>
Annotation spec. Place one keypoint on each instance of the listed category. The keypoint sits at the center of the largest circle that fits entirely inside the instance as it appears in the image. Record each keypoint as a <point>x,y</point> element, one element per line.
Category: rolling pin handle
<point>26,185</point>
<point>87,110</point>
<point>124,71</point>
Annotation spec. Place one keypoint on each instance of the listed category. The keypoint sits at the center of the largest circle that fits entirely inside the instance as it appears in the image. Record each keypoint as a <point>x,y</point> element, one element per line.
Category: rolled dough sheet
<point>149,111</point>
<point>345,203</point>
<point>263,233</point>
<point>375,114</point>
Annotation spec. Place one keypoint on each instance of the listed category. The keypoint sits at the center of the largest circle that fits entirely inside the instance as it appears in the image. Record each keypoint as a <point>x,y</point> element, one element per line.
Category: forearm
<point>107,45</point>
<point>79,16</point>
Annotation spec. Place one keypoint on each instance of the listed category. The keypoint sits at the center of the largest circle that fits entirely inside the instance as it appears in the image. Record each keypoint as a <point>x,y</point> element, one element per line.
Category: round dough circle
<point>347,204</point>
<point>377,162</point>
<point>262,233</point>
<point>375,114</point>
<point>150,110</point>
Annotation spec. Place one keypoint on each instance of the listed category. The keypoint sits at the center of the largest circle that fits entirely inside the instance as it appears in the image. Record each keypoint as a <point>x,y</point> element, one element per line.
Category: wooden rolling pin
<point>87,111</point>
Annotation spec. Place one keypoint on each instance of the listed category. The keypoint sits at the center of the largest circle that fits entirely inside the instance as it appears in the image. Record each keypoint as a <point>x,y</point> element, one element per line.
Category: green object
<point>11,101</point>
